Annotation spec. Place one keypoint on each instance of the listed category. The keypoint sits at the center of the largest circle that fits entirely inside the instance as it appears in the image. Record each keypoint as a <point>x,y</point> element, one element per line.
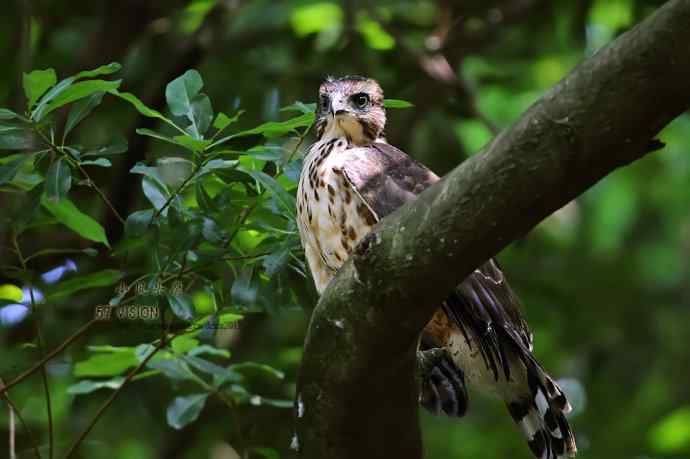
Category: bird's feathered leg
<point>443,387</point>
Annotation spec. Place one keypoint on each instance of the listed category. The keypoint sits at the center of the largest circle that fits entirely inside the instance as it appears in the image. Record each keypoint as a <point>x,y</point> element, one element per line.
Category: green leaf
<point>140,106</point>
<point>159,136</point>
<point>244,288</point>
<point>111,364</point>
<point>273,153</point>
<point>101,162</point>
<point>174,171</point>
<point>9,170</point>
<point>214,165</point>
<point>210,350</point>
<point>397,103</point>
<point>316,17</point>
<point>138,222</point>
<point>74,153</point>
<point>155,193</point>
<point>14,137</point>
<point>222,120</point>
<point>6,114</point>
<point>181,306</point>
<point>37,83</point>
<point>272,128</point>
<point>110,349</point>
<point>276,261</point>
<point>203,199</point>
<point>172,368</point>
<point>58,180</point>
<point>87,386</point>
<point>67,213</point>
<point>183,344</point>
<point>184,99</point>
<point>231,377</point>
<point>11,293</point>
<point>73,93</point>
<point>286,200</point>
<point>107,69</point>
<point>201,115</point>
<point>81,110</point>
<point>117,146</point>
<point>212,232</point>
<point>293,169</point>
<point>671,435</point>
<point>185,410</point>
<point>104,278</point>
<point>228,318</point>
<point>300,107</point>
<point>205,366</point>
<point>182,90</point>
<point>374,35</point>
<point>151,172</point>
<point>190,143</point>
<point>63,85</point>
<point>257,368</point>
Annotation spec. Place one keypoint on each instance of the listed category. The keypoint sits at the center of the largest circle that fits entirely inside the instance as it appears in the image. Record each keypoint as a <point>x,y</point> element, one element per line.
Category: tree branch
<point>357,395</point>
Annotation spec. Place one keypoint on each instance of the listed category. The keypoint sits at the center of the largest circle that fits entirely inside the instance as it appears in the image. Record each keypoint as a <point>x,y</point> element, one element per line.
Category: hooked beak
<point>338,107</point>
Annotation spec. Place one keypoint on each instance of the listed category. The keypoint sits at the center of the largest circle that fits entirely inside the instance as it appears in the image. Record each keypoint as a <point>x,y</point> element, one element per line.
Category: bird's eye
<point>324,102</point>
<point>360,100</point>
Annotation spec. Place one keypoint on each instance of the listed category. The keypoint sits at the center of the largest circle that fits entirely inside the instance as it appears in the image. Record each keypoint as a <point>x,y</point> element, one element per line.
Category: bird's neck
<point>351,130</point>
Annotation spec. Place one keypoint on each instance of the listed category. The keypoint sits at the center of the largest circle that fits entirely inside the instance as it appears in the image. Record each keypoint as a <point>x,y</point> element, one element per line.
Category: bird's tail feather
<point>541,418</point>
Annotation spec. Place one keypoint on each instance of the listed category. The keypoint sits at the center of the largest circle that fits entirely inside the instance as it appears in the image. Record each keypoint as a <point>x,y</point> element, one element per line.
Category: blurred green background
<point>605,281</point>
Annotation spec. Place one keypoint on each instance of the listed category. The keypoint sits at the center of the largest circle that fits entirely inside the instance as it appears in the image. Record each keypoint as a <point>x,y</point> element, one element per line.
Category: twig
<point>100,192</point>
<point>13,451</point>
<point>299,143</point>
<point>243,219</point>
<point>112,398</point>
<point>49,356</point>
<point>51,144</point>
<point>46,387</point>
<point>41,348</point>
<point>175,193</point>
<point>15,412</point>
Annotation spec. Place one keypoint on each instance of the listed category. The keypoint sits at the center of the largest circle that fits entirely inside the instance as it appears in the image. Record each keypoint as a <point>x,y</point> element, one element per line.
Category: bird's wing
<point>386,178</point>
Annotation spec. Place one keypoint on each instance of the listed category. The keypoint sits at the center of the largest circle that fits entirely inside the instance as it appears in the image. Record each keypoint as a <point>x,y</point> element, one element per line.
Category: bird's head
<point>351,106</point>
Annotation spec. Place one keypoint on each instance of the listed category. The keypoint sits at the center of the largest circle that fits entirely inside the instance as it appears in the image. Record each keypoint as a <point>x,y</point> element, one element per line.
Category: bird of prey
<point>351,179</point>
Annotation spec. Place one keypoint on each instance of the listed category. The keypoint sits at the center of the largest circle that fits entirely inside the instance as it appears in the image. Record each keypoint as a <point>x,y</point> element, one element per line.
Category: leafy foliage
<point>170,191</point>
<point>205,204</point>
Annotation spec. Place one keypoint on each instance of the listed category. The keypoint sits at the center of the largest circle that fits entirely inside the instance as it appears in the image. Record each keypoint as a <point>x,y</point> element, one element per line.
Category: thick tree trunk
<point>357,395</point>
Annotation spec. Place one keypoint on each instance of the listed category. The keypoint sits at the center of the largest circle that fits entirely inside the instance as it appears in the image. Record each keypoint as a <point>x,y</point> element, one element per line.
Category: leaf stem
<point>56,149</point>
<point>112,398</point>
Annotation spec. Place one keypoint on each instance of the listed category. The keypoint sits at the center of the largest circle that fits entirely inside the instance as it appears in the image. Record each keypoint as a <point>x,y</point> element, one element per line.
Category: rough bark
<point>357,395</point>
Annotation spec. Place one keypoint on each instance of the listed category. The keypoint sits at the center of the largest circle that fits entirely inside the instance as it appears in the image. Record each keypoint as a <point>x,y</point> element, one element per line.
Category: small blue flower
<point>12,314</point>
<point>55,274</point>
<point>26,298</point>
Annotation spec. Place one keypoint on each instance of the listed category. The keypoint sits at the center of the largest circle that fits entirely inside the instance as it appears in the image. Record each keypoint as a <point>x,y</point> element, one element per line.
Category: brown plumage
<point>487,343</point>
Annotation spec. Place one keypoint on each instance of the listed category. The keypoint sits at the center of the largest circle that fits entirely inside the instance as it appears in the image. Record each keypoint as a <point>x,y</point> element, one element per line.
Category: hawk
<point>351,179</point>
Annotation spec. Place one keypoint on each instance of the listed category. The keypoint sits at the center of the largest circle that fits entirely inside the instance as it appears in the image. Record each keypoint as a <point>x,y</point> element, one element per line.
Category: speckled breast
<point>332,218</point>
